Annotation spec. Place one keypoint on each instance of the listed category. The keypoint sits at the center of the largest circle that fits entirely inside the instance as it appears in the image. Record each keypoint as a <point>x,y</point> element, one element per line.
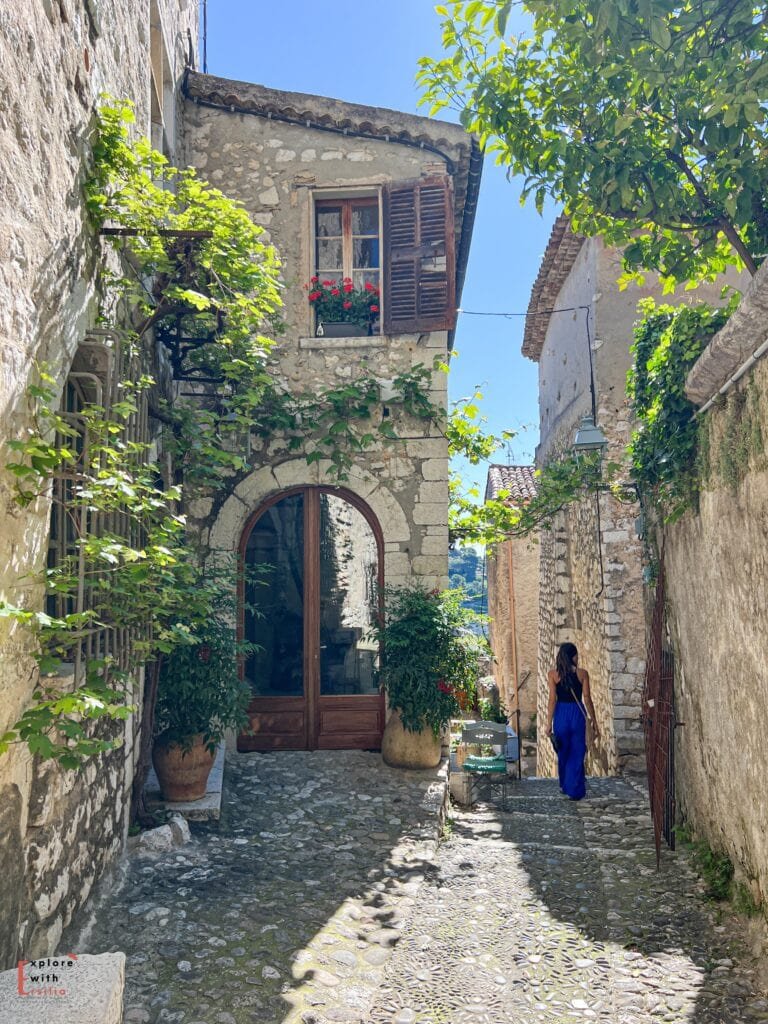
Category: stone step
<point>64,989</point>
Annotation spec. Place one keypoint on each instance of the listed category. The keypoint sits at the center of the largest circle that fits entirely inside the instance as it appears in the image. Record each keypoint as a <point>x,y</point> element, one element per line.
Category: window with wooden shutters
<point>419,259</point>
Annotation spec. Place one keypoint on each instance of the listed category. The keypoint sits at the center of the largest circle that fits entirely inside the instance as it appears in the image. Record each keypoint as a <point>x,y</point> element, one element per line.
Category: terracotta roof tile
<point>518,480</point>
<point>563,248</point>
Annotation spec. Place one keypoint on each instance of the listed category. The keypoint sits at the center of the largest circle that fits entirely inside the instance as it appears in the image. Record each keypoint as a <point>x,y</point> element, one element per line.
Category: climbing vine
<point>664,449</point>
<point>493,521</point>
<point>191,271</point>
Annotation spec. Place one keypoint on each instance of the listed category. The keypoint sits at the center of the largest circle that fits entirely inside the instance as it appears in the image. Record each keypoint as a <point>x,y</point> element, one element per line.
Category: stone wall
<point>56,58</point>
<point>717,566</point>
<point>275,169</point>
<point>513,607</point>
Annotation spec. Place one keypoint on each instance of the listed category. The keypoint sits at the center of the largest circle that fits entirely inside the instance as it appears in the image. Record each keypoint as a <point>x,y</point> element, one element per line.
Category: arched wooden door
<point>318,554</point>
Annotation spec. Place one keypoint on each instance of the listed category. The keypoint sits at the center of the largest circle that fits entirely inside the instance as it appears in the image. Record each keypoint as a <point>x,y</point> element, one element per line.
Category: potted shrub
<point>341,310</point>
<point>431,661</point>
<point>200,696</point>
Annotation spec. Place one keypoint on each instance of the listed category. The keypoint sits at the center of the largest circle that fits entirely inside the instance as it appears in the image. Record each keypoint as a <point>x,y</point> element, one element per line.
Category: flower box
<point>339,329</point>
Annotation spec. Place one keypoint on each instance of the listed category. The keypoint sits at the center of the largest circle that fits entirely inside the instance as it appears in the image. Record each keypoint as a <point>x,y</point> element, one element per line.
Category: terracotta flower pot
<point>401,748</point>
<point>182,776</point>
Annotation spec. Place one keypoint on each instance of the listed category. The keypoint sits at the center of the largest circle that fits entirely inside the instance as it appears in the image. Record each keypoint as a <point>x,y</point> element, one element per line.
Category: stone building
<point>371,195</point>
<point>513,600</point>
<point>579,331</point>
<point>402,192</point>
<point>590,589</point>
<point>60,829</point>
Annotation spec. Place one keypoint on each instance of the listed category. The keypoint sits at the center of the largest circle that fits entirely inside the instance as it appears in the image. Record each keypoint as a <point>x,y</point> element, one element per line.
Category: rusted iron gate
<point>659,723</point>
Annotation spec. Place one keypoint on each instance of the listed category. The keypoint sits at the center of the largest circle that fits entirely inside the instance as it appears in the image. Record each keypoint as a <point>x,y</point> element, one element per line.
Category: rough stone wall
<point>273,169</point>
<point>717,566</point>
<point>56,58</point>
<point>513,607</point>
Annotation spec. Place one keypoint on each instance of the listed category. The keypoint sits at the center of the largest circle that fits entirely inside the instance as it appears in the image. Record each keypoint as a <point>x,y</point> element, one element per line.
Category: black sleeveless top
<point>564,688</point>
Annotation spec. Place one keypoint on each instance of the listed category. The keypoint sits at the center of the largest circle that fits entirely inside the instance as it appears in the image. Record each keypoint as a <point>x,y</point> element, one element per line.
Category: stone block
<point>434,545</point>
<point>430,513</point>
<point>430,565</point>
<point>434,469</point>
<point>636,665</point>
<point>436,491</point>
<point>92,986</point>
<point>179,829</point>
<point>155,840</point>
<point>396,563</point>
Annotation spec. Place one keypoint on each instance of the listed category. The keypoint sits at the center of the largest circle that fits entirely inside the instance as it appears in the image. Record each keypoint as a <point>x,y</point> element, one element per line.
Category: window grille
<point>98,368</point>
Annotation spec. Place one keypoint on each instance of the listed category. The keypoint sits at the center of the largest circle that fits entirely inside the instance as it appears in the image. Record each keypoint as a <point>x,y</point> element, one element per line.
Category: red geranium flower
<point>369,287</point>
<point>335,291</point>
<point>443,687</point>
<point>347,280</point>
<point>374,309</point>
<point>314,280</point>
<point>328,284</point>
<point>349,287</point>
<point>314,296</point>
<point>347,305</point>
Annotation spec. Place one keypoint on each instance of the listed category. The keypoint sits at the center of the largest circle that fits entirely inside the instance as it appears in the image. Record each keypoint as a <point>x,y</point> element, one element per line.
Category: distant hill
<point>466,568</point>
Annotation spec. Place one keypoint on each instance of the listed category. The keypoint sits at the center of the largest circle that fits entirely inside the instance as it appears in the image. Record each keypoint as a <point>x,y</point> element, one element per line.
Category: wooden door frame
<point>311,584</point>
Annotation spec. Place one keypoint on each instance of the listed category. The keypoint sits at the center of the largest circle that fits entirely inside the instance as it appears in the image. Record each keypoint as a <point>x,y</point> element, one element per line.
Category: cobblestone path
<point>321,898</point>
<point>554,912</point>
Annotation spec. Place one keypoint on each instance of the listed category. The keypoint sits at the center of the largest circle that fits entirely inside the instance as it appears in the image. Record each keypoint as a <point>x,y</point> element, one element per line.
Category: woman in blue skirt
<point>570,708</point>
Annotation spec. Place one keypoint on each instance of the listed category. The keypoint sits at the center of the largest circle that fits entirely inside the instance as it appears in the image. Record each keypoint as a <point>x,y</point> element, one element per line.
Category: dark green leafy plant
<point>200,690</point>
<point>489,712</point>
<point>663,450</point>
<point>645,121</point>
<point>431,659</point>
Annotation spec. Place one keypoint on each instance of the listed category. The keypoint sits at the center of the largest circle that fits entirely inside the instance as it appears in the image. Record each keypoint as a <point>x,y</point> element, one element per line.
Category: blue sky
<point>367,52</point>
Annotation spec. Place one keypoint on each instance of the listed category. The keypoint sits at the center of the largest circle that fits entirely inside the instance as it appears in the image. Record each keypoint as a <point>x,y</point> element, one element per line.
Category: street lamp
<point>589,437</point>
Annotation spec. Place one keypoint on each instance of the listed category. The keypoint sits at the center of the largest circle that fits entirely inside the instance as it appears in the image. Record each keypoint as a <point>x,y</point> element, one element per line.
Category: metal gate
<point>659,723</point>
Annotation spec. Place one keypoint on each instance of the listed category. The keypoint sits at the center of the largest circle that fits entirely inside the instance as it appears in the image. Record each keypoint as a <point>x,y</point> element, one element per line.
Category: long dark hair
<point>566,655</point>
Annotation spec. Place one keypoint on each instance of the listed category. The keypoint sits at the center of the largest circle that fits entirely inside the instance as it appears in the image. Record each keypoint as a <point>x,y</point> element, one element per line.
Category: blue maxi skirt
<point>570,729</point>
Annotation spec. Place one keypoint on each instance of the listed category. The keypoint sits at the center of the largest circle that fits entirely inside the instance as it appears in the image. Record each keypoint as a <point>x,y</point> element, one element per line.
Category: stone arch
<point>259,485</point>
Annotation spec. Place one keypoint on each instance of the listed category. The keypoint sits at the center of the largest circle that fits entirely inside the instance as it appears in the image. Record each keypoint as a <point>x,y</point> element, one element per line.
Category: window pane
<point>365,220</point>
<point>348,596</point>
<point>365,253</point>
<point>329,254</point>
<point>275,618</point>
<point>328,221</point>
<point>360,277</point>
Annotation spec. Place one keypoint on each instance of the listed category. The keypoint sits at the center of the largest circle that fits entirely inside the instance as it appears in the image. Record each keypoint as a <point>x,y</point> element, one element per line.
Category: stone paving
<point>322,898</point>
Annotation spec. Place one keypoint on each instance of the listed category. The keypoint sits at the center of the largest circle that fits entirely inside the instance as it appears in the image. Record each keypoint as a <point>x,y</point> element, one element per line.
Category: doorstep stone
<point>207,808</point>
<point>65,989</point>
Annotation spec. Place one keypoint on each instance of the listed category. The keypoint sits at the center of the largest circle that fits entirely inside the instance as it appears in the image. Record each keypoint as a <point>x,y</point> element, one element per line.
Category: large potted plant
<point>430,662</point>
<point>200,696</point>
<point>341,310</point>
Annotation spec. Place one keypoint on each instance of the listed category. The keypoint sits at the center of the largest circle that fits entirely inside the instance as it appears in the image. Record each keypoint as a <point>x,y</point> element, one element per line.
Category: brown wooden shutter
<point>419,256</point>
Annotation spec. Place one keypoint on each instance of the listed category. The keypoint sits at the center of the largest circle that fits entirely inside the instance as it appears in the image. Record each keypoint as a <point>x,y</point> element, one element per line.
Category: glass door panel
<point>348,599</point>
<point>274,606</point>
